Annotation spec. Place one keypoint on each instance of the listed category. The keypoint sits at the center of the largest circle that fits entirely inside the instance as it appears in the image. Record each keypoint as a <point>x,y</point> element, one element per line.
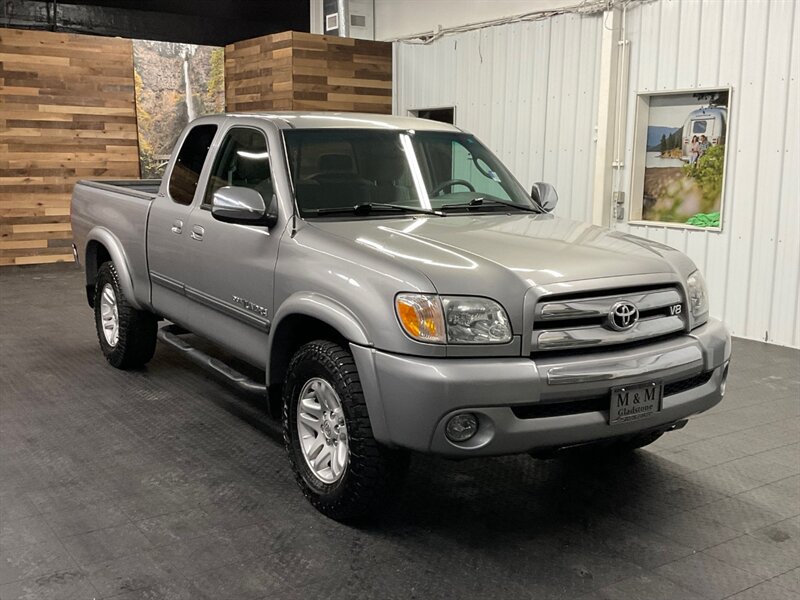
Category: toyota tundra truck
<point>400,291</point>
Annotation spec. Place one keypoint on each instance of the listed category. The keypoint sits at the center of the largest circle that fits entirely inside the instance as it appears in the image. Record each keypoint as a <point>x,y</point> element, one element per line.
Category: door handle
<point>197,233</point>
<point>177,226</point>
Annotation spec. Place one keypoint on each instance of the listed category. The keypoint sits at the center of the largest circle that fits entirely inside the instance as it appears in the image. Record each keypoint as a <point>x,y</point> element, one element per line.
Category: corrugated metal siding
<point>753,265</point>
<point>529,90</point>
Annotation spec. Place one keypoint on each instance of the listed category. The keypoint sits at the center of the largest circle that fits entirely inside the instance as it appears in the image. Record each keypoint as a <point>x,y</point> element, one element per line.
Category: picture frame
<point>679,163</point>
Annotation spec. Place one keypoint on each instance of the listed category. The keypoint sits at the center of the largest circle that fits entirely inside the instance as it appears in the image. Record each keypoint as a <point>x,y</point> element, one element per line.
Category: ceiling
<point>209,22</point>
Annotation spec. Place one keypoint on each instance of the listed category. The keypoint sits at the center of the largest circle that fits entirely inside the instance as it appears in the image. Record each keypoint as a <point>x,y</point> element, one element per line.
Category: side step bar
<point>170,334</point>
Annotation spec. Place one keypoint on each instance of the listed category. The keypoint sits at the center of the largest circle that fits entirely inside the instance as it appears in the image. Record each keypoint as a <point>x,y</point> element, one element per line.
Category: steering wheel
<point>450,183</point>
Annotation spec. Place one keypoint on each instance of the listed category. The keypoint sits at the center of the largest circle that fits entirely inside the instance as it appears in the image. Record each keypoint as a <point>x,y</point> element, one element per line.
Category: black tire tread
<point>374,470</point>
<point>137,328</point>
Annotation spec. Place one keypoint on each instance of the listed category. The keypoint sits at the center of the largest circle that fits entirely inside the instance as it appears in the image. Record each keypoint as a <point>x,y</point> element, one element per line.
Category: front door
<point>234,265</point>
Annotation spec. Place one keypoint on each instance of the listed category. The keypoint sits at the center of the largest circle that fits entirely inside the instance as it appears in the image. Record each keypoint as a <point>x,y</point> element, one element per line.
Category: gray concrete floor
<point>166,483</point>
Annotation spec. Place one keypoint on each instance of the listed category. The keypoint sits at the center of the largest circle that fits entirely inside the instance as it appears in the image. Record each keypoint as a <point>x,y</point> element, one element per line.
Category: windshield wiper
<point>479,202</point>
<point>369,207</point>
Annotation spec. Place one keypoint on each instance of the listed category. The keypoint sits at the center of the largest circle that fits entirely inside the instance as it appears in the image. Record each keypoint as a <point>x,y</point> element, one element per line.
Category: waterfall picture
<point>175,83</point>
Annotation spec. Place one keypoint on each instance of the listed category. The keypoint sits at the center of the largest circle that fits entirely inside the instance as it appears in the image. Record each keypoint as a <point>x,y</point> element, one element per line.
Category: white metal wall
<point>529,91</point>
<point>753,266</point>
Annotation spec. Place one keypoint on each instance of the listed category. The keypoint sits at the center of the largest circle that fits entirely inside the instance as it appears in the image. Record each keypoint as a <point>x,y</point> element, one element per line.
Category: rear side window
<point>242,161</point>
<point>699,127</point>
<point>192,155</point>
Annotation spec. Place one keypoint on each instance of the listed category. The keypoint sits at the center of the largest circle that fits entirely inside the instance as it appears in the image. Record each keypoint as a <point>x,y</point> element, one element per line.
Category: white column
<point>316,16</point>
<point>606,118</point>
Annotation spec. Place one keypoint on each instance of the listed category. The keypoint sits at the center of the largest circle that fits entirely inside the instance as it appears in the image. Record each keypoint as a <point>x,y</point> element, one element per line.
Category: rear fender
<point>115,250</point>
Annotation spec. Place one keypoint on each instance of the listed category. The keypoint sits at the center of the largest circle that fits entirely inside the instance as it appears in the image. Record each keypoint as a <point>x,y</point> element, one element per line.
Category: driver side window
<point>477,172</point>
<point>452,161</point>
<point>242,161</point>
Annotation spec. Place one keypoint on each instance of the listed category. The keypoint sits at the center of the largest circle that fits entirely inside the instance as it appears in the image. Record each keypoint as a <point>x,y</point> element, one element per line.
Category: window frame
<point>176,161</point>
<point>218,154</point>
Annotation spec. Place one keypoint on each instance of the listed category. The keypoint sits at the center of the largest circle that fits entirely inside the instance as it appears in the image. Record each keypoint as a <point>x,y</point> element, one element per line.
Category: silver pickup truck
<point>401,291</point>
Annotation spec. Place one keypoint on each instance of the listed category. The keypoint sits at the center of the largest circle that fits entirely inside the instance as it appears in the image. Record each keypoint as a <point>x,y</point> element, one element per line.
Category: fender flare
<point>117,253</point>
<point>327,310</point>
<point>343,320</point>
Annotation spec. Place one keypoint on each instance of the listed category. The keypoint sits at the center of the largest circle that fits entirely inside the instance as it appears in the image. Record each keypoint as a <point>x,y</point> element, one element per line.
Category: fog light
<point>461,427</point>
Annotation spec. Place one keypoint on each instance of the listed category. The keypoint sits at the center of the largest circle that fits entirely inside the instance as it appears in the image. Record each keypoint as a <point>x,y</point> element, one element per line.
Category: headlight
<point>453,319</point>
<point>475,321</point>
<point>698,298</point>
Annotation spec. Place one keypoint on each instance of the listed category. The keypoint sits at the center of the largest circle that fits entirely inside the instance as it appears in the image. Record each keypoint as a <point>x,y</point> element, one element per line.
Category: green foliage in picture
<point>708,173</point>
<point>215,92</point>
<point>704,220</point>
<point>144,121</point>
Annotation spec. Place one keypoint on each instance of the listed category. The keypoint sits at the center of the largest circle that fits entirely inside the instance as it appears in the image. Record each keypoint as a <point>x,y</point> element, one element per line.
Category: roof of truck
<point>345,120</point>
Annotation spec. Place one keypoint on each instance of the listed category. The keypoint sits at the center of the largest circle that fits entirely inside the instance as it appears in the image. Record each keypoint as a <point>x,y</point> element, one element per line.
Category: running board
<point>169,334</point>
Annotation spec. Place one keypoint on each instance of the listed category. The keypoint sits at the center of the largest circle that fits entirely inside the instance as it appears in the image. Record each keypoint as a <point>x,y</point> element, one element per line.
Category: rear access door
<point>168,231</point>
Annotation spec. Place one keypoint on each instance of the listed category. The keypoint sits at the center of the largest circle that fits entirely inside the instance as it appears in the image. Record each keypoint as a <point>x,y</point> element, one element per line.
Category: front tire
<point>127,336</point>
<point>340,467</point>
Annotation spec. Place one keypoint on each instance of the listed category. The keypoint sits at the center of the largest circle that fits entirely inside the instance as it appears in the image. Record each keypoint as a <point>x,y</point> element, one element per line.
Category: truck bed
<point>142,188</point>
<point>115,213</point>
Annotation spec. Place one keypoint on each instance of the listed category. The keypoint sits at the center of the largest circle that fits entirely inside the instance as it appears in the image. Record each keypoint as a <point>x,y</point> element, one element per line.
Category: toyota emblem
<point>623,315</point>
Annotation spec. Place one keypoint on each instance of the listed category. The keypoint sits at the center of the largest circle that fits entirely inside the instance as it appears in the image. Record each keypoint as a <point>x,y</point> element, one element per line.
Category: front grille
<point>581,321</point>
<point>598,403</point>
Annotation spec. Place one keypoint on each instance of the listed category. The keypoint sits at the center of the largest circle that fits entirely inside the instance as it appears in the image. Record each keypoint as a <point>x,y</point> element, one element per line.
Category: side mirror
<point>545,195</point>
<point>242,205</point>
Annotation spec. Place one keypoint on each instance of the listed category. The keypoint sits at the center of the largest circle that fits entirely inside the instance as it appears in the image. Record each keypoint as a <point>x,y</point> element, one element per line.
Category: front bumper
<point>411,398</point>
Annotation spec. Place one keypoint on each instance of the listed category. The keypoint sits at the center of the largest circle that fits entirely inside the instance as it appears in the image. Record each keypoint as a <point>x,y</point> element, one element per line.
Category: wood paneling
<point>67,112</point>
<point>304,71</point>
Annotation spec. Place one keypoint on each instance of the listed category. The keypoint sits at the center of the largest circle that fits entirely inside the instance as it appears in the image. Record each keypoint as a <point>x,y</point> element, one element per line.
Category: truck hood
<point>481,254</point>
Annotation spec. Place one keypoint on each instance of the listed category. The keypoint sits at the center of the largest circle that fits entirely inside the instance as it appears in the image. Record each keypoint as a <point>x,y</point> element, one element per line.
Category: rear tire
<point>127,335</point>
<point>343,490</point>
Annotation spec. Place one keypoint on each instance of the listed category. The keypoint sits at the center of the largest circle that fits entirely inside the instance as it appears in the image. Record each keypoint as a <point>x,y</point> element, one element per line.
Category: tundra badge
<point>251,306</point>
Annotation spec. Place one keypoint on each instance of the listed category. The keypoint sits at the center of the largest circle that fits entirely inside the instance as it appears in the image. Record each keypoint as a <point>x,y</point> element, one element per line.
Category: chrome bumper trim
<point>650,366</point>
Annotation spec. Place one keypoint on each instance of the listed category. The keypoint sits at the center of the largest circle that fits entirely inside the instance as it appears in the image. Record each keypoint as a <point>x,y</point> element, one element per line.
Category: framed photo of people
<point>679,158</point>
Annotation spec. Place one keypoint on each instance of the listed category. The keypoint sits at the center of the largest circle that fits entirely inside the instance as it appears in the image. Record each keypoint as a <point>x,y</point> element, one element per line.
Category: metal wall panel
<point>753,265</point>
<point>529,90</point>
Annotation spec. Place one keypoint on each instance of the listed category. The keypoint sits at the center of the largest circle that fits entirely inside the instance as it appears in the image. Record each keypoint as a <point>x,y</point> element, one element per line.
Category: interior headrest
<point>336,163</point>
<point>252,169</point>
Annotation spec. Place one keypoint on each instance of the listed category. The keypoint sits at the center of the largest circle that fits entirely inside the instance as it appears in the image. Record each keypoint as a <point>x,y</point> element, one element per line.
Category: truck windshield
<point>353,169</point>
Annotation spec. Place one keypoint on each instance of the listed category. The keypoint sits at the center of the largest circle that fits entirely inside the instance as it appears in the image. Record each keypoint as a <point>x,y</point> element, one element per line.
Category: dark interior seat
<point>255,174</point>
<point>338,184</point>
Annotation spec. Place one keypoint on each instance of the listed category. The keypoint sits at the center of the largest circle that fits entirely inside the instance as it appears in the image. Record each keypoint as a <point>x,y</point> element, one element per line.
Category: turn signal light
<point>421,317</point>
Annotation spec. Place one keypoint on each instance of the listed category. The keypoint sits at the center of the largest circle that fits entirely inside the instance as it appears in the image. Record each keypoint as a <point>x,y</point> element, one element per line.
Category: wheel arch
<point>304,317</point>
<point>102,246</point>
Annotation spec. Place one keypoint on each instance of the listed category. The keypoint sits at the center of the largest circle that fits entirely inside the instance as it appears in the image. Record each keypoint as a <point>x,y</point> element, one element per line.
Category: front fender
<point>117,253</point>
<point>327,310</point>
<point>349,326</point>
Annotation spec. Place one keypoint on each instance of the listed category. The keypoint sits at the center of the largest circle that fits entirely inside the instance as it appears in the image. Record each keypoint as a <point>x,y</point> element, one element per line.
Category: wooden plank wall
<point>67,112</point>
<point>304,71</point>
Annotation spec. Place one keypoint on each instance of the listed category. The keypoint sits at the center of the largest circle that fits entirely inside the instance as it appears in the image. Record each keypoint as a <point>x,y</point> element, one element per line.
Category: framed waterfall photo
<point>679,158</point>
<point>173,84</point>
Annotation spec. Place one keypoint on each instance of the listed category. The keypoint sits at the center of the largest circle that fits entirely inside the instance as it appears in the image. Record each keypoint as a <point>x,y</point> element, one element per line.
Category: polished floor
<point>166,483</point>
